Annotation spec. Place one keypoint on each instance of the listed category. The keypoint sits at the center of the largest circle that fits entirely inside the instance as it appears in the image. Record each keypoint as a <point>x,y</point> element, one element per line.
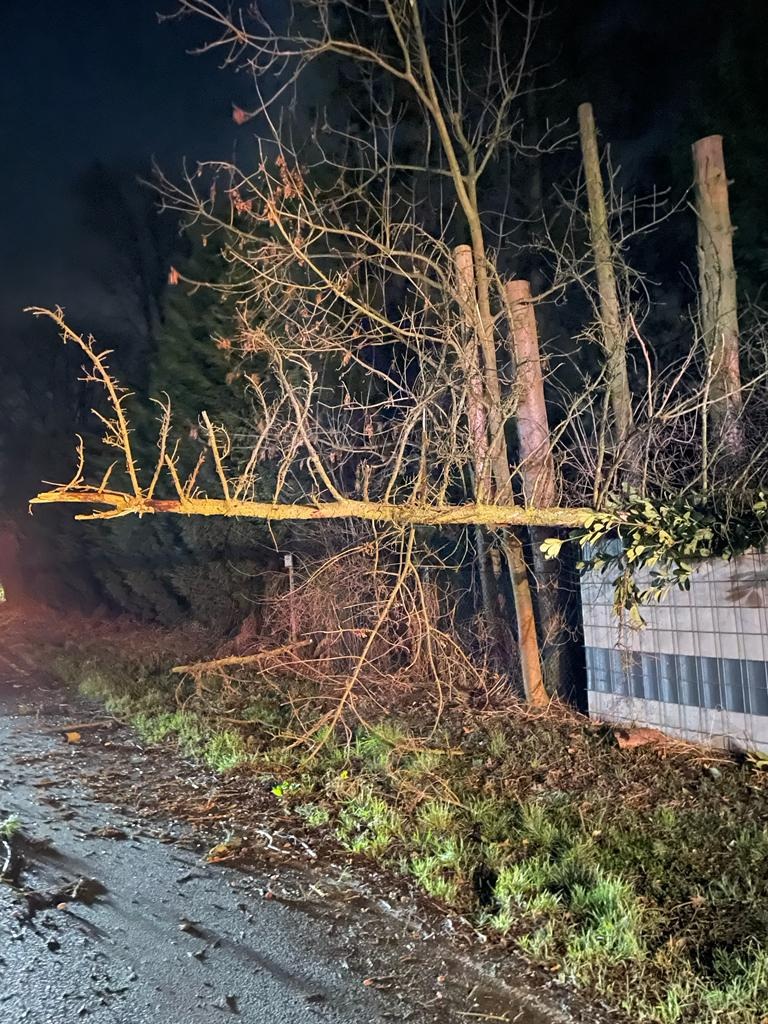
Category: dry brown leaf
<point>641,737</point>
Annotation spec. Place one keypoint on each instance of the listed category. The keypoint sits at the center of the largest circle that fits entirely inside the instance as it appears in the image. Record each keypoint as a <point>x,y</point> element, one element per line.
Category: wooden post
<point>537,469</point>
<point>527,639</point>
<point>477,410</point>
<point>717,288</point>
<point>614,338</point>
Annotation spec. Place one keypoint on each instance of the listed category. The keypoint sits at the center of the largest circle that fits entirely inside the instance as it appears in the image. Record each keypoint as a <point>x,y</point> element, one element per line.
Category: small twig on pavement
<point>79,726</point>
<point>8,859</point>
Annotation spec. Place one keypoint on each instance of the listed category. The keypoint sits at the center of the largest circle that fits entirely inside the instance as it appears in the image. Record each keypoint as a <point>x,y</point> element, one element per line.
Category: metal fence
<point>698,669</point>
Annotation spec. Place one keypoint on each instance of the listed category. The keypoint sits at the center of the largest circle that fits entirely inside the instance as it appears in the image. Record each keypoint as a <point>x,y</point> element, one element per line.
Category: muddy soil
<point>112,913</point>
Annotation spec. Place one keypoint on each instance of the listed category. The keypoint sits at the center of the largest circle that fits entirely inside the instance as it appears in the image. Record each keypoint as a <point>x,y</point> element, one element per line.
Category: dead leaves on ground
<point>627,739</point>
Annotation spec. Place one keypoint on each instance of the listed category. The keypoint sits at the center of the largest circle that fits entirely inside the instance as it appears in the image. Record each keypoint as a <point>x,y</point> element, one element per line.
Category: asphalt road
<point>168,938</point>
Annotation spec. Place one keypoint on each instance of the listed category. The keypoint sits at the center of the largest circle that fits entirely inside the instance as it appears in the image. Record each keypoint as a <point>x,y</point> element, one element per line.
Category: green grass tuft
<point>224,751</point>
<point>431,874</point>
<point>496,742</point>
<point>437,815</point>
<point>10,826</point>
<point>375,747</point>
<point>368,824</point>
<point>313,814</point>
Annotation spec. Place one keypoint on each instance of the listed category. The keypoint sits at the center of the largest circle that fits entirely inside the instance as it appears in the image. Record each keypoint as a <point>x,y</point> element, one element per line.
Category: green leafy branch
<point>668,536</point>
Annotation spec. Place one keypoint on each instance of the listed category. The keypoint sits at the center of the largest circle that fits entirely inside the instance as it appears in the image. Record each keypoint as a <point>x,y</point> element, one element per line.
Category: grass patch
<point>367,823</point>
<point>313,814</point>
<point>641,877</point>
<point>9,826</point>
<point>431,874</point>
<point>377,748</point>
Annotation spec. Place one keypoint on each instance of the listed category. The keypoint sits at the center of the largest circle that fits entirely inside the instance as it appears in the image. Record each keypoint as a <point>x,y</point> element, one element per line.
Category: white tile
<point>626,709</point>
<point>690,718</point>
<point>664,616</point>
<point>758,732</point>
<point>707,645</point>
<point>725,619</point>
<point>603,590</point>
<point>751,620</point>
<point>682,618</point>
<point>678,598</point>
<point>647,711</point>
<point>650,615</point>
<point>753,647</point>
<point>606,616</point>
<point>707,722</point>
<point>602,636</point>
<point>701,725</point>
<point>586,593</point>
<point>749,562</point>
<point>595,703</point>
<point>666,640</point>
<point>735,726</point>
<point>628,637</point>
<point>727,645</point>
<point>645,640</point>
<point>684,642</point>
<point>722,570</point>
<point>718,618</point>
<point>643,575</point>
<point>702,575</point>
<point>663,642</point>
<point>671,717</point>
<point>588,615</point>
<point>612,707</point>
<point>703,619</point>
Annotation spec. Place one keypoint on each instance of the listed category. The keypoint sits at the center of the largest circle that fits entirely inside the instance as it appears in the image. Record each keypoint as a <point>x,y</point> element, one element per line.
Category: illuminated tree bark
<point>478,432</point>
<point>536,467</point>
<point>614,335</point>
<point>106,504</point>
<point>717,289</point>
<point>491,456</point>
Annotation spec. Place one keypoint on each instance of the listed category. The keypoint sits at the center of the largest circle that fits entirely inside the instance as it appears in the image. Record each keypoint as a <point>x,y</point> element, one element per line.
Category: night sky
<point>102,80</point>
<point>86,81</point>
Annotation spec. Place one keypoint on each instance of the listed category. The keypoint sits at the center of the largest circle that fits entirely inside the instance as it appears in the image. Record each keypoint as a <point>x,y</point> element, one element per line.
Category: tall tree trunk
<point>537,471</point>
<point>477,417</point>
<point>614,337</point>
<point>477,412</point>
<point>490,595</point>
<point>465,183</point>
<point>498,462</point>
<point>537,468</point>
<point>717,290</point>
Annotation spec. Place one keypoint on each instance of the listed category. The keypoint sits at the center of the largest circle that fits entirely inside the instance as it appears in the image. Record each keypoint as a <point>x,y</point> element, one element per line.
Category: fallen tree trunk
<point>119,504</point>
<point>237,659</point>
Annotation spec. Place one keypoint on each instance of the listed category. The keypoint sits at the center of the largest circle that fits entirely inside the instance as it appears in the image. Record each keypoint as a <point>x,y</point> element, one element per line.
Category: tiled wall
<point>700,666</point>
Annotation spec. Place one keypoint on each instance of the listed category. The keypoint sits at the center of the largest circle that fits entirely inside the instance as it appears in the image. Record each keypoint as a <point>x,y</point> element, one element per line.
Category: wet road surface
<point>116,920</point>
